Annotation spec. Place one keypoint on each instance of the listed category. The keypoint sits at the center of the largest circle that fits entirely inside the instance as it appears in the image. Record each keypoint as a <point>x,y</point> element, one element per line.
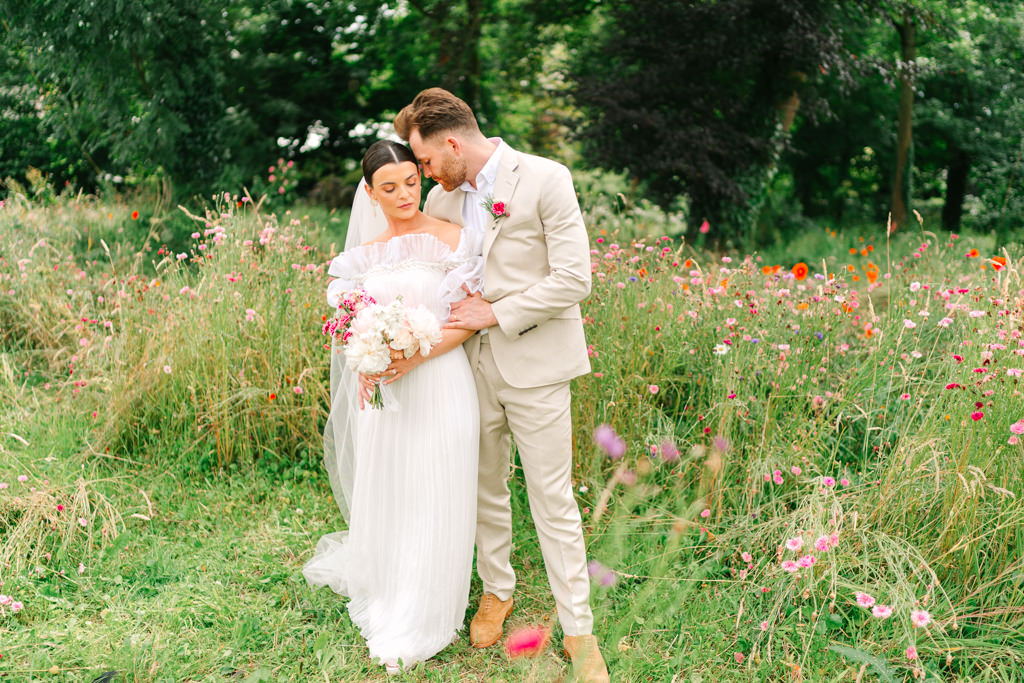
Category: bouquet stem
<point>376,399</point>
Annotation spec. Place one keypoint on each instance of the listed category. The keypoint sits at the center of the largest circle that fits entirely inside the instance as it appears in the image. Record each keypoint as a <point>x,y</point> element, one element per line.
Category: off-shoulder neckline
<point>434,237</point>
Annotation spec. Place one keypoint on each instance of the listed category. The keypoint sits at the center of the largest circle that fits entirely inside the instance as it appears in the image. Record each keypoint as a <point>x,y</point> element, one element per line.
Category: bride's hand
<point>400,366</point>
<point>366,384</point>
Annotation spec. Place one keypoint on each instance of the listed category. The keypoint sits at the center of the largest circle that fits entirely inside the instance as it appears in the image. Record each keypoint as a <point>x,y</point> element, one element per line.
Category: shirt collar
<point>489,173</point>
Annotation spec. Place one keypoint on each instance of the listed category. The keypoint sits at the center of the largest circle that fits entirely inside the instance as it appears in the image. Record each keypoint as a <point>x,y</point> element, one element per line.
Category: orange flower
<point>272,396</point>
<point>868,332</point>
<point>871,247</point>
<point>853,250</point>
<point>850,268</point>
<point>998,262</point>
<point>767,270</point>
<point>688,263</point>
<point>856,278</point>
<point>800,270</point>
<point>973,253</point>
<point>135,215</point>
<point>775,269</point>
<point>863,252</point>
<point>802,306</point>
<point>872,275</point>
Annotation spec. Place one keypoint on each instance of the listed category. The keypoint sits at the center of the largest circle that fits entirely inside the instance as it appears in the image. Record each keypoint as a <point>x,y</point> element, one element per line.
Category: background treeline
<point>758,115</point>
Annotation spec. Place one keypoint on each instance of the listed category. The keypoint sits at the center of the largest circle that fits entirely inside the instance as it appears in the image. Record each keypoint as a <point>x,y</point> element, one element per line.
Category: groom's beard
<point>453,173</point>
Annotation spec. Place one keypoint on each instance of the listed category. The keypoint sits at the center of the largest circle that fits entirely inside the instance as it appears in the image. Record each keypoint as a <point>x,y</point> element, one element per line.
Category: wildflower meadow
<point>792,465</point>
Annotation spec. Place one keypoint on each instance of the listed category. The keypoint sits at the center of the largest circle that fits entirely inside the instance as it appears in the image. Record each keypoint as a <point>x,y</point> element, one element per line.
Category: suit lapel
<point>504,187</point>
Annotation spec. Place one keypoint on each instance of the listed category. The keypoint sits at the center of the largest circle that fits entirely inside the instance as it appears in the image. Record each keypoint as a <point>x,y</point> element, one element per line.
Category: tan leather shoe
<point>586,659</point>
<point>487,625</point>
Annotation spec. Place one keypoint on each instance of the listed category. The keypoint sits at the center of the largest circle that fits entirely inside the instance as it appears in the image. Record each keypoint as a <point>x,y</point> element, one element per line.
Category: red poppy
<point>998,262</point>
<point>135,215</point>
<point>800,271</point>
<point>273,396</point>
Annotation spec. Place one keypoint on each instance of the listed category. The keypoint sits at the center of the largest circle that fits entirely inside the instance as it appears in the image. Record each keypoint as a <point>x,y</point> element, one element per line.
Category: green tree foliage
<point>138,84</point>
<point>967,118</point>
<point>687,95</point>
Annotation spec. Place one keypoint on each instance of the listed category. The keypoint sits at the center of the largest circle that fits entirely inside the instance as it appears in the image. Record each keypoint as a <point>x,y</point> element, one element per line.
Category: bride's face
<point>397,188</point>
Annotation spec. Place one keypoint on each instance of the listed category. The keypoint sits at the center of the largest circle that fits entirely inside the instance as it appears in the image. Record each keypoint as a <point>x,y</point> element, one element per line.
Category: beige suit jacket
<point>536,270</point>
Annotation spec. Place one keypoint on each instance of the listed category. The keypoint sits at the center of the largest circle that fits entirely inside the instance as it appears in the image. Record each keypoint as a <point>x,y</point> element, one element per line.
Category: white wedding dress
<point>405,476</point>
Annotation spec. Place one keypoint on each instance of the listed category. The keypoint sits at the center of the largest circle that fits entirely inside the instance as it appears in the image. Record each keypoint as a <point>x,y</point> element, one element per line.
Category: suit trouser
<point>540,421</point>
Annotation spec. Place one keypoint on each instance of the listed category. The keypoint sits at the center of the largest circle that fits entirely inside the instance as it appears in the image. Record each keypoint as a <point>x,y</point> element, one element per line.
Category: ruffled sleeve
<point>464,266</point>
<point>347,277</point>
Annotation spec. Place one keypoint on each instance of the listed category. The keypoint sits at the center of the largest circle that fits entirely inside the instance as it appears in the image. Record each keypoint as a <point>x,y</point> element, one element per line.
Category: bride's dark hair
<point>382,153</point>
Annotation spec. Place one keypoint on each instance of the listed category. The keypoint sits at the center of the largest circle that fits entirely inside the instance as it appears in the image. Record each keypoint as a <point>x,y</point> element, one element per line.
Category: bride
<point>404,476</point>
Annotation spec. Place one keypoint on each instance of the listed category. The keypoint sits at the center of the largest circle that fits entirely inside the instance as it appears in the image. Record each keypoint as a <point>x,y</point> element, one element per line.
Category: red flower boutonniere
<point>496,209</point>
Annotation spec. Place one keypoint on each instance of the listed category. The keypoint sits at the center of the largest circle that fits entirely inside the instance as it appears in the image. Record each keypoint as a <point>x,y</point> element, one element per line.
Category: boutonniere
<point>496,209</point>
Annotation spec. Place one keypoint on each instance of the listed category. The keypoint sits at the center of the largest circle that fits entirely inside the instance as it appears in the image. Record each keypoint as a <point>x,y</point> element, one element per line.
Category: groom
<point>529,345</point>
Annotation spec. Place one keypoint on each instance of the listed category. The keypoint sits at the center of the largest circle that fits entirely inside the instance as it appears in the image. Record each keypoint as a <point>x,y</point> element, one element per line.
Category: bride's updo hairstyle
<point>382,153</point>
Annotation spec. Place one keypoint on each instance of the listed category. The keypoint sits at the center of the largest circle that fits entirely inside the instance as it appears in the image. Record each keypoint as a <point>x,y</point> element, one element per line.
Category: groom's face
<point>440,159</point>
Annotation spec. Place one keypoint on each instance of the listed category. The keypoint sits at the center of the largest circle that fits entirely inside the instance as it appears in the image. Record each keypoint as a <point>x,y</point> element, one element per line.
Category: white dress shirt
<point>474,213</point>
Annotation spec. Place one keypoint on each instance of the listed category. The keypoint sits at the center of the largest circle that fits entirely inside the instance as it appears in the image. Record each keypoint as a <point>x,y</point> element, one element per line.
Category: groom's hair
<point>434,111</point>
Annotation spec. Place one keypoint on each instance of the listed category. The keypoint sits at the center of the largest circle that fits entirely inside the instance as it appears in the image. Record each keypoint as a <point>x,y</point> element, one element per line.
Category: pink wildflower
<point>527,642</point>
<point>920,618</point>
<point>881,611</point>
<point>911,653</point>
<point>790,566</point>
<point>864,600</point>
<point>1017,427</point>
<point>795,469</point>
<point>821,544</point>
<point>746,557</point>
<point>828,481</point>
<point>807,561</point>
<point>795,543</point>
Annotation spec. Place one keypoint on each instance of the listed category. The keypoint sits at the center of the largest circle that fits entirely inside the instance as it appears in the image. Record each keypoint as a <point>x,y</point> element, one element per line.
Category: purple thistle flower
<point>610,442</point>
<point>669,451</point>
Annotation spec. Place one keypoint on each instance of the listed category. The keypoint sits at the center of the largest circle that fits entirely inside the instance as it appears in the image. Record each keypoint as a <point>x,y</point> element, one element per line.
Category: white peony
<point>367,323</point>
<point>367,354</point>
<point>424,329</point>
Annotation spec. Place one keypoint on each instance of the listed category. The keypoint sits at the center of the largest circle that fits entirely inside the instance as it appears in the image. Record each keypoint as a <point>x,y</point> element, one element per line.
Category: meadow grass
<point>162,396</point>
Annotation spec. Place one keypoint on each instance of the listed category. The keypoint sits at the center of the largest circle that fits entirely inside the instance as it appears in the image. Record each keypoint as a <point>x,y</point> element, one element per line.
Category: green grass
<point>174,406</point>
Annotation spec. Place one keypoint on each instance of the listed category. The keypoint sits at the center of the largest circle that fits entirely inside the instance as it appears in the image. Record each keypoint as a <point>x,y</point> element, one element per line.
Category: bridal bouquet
<point>369,331</point>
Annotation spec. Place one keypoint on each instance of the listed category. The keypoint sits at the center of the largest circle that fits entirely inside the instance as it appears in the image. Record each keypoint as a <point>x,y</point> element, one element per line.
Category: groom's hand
<point>472,313</point>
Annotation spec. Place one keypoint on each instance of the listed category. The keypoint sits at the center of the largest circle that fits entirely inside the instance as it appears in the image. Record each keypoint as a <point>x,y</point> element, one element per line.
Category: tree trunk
<point>956,189</point>
<point>903,175</point>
